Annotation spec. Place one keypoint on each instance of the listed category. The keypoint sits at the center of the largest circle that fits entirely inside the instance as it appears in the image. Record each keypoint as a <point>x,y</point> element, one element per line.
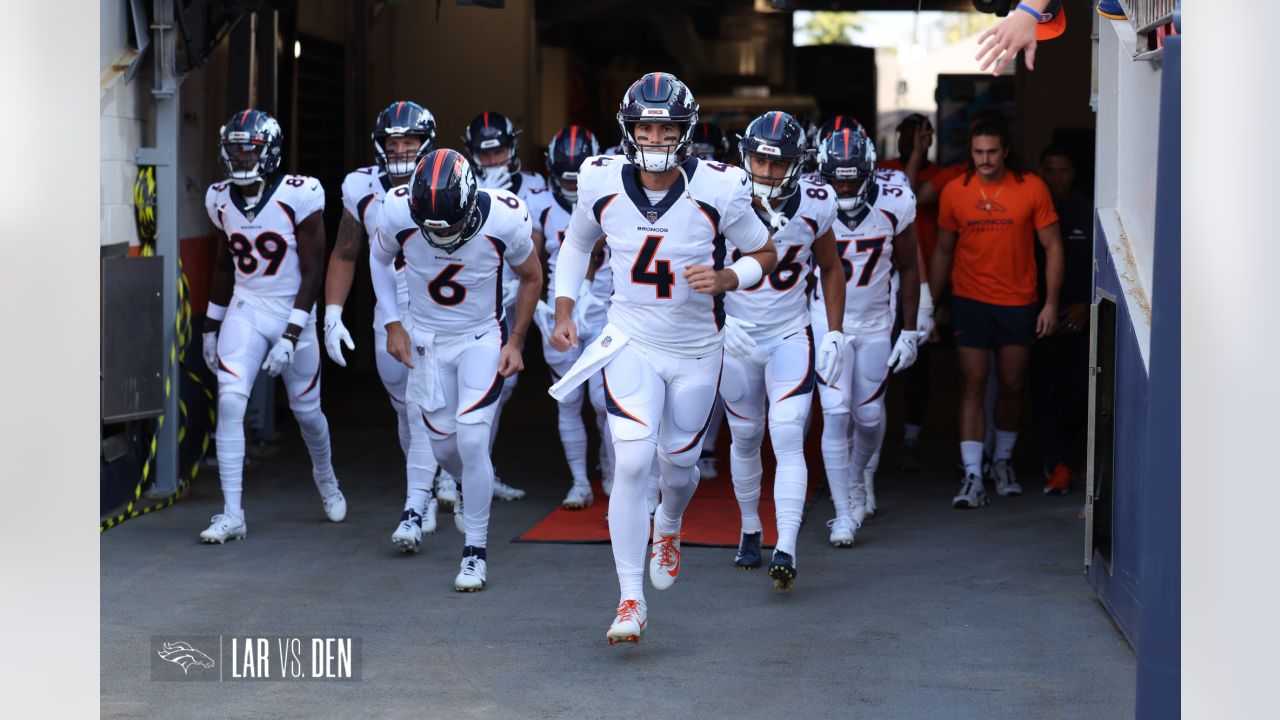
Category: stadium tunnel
<point>326,67</point>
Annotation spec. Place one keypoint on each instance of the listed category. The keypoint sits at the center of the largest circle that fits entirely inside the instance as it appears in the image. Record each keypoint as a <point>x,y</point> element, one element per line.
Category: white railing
<point>1147,15</point>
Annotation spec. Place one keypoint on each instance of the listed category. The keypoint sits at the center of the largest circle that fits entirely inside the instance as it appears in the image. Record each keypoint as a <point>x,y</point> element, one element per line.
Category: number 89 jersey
<point>864,242</point>
<point>458,292</point>
<point>263,239</point>
<point>777,304</point>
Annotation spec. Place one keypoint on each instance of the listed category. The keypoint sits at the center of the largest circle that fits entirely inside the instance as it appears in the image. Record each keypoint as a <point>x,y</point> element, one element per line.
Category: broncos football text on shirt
<point>457,292</point>
<point>651,243</point>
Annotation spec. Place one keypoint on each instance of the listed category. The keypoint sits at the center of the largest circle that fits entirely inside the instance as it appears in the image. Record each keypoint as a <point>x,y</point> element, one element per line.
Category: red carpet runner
<point>712,518</point>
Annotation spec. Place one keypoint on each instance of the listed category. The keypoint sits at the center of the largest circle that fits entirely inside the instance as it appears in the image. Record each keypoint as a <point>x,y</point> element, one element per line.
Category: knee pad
<point>868,415</point>
<point>633,459</point>
<point>787,434</point>
<point>473,441</point>
<point>232,406</point>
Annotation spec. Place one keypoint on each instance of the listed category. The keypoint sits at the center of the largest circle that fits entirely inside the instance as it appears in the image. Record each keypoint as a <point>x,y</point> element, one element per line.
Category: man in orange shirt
<point>988,222</point>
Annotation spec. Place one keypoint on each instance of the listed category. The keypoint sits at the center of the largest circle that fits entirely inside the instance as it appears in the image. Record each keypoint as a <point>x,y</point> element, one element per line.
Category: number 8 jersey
<point>262,238</point>
<point>777,304</point>
<point>652,236</point>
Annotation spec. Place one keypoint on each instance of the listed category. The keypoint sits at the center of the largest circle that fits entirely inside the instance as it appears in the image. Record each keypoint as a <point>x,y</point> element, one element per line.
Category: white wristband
<point>333,311</point>
<point>215,311</point>
<point>926,298</point>
<point>299,317</point>
<point>748,271</point>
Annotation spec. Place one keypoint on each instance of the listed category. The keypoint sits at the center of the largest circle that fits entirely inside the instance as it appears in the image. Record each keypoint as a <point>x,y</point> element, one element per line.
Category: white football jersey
<point>262,238</point>
<point>777,304</point>
<point>652,241</point>
<point>458,292</point>
<point>864,242</point>
<point>527,186</point>
<point>362,193</point>
<point>551,218</point>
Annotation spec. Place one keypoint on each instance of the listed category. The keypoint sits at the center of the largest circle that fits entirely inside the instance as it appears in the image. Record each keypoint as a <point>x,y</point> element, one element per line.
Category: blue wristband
<point>1027,8</point>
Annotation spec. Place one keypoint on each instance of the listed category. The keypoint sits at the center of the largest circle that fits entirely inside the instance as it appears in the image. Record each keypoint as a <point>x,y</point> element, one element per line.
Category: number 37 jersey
<point>864,241</point>
<point>457,292</point>
<point>263,239</point>
<point>652,239</point>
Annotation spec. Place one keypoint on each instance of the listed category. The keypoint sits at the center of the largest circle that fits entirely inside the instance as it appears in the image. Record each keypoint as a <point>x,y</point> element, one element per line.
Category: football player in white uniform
<point>666,218</point>
<point>551,212</point>
<point>261,312</point>
<point>493,144</point>
<point>403,134</point>
<point>872,227</point>
<point>455,239</point>
<point>769,366</point>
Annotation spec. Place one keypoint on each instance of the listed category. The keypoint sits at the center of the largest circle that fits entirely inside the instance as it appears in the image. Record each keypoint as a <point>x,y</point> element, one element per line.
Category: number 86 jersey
<point>263,238</point>
<point>777,304</point>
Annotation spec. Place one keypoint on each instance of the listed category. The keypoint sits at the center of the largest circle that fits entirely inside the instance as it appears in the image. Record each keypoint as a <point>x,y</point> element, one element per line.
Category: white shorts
<point>777,380</point>
<point>650,395</point>
<point>247,335</point>
<point>468,367</point>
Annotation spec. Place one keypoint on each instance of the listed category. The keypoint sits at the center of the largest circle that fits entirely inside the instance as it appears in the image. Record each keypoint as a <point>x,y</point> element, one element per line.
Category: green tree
<point>830,28</point>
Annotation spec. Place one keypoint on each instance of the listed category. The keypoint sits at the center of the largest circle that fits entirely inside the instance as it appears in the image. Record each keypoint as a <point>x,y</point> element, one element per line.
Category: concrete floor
<point>934,613</point>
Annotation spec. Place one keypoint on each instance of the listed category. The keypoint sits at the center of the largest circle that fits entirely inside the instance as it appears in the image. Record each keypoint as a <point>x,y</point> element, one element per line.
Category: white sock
<point>971,454</point>
<point>315,433</point>
<point>789,485</point>
<point>229,441</point>
<point>1004,444</point>
<point>402,425</point>
<point>420,467</point>
<point>745,469</point>
<point>573,435</point>
<point>477,481</point>
<point>629,514</point>
<point>678,484</point>
<point>835,458</point>
<point>910,433</point>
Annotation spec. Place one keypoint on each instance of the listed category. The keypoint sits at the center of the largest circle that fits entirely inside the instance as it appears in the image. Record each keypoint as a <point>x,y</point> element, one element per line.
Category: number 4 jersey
<point>777,304</point>
<point>864,241</point>
<point>653,236</point>
<point>263,238</point>
<point>458,292</point>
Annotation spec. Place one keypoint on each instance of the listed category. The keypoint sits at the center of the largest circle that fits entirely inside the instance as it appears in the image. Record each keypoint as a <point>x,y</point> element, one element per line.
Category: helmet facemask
<point>242,161</point>
<point>657,158</point>
<point>400,164</point>
<point>768,188</point>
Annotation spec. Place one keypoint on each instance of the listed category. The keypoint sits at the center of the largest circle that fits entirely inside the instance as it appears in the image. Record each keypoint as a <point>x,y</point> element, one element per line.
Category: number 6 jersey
<point>262,238</point>
<point>458,292</point>
<point>653,236</point>
<point>777,304</point>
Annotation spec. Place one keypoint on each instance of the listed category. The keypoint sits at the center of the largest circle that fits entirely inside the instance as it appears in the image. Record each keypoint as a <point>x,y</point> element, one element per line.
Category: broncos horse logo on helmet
<point>250,145</point>
<point>403,118</point>
<point>444,199</point>
<point>848,156</point>
<point>657,98</point>
<point>774,136</point>
<point>568,148</point>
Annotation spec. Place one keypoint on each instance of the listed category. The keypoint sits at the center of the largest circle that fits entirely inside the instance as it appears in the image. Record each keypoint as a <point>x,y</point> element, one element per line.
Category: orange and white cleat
<point>664,557</point>
<point>629,625</point>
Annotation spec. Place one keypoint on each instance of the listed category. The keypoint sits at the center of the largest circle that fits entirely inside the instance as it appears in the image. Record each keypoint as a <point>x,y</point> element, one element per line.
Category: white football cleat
<point>471,576</point>
<point>429,518</point>
<point>1006,481</point>
<point>629,624</point>
<point>446,489</point>
<point>408,534</point>
<point>579,498</point>
<point>841,532</point>
<point>869,481</point>
<point>971,495</point>
<point>664,558</point>
<point>505,492</point>
<point>226,526</point>
<point>335,505</point>
<point>707,467</point>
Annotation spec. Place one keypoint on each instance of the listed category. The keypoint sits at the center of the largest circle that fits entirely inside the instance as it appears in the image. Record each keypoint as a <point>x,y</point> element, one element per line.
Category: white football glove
<point>280,357</point>
<point>544,318</point>
<point>509,290</point>
<point>924,325</point>
<point>830,355</point>
<point>736,340</point>
<point>904,351</point>
<point>587,301</point>
<point>211,351</point>
<point>336,335</point>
